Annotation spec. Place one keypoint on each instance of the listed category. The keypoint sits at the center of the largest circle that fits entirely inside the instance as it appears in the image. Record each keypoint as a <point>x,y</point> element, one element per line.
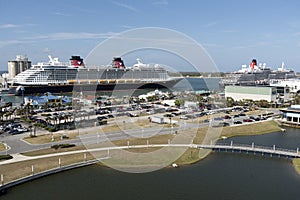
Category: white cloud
<point>57,36</point>
<point>210,24</point>
<point>4,26</point>
<point>61,14</point>
<point>9,26</point>
<point>230,31</point>
<point>297,34</point>
<point>129,7</point>
<point>71,35</point>
<point>127,26</point>
<point>212,45</point>
<point>254,45</point>
<point>46,50</point>
<point>12,42</point>
<point>161,2</point>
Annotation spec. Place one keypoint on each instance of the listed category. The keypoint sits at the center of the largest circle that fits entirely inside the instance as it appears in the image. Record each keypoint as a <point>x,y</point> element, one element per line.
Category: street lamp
<point>22,90</point>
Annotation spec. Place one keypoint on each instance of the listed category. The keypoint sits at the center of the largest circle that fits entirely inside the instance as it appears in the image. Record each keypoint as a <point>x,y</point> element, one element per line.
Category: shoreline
<point>296,165</point>
<point>190,160</point>
<point>5,187</point>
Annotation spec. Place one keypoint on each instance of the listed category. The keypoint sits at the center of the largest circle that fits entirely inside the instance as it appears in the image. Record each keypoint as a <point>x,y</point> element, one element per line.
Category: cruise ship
<point>55,77</point>
<point>256,74</point>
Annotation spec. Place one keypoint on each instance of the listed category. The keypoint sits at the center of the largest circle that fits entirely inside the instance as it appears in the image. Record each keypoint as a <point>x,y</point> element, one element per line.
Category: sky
<point>232,32</point>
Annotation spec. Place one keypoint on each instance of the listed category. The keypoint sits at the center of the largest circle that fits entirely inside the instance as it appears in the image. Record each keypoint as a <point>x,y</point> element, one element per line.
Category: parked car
<point>224,124</point>
<point>227,117</point>
<point>22,129</point>
<point>14,132</point>
<point>237,122</point>
<point>184,117</point>
<point>221,124</point>
<point>169,115</point>
<point>110,116</point>
<point>218,118</point>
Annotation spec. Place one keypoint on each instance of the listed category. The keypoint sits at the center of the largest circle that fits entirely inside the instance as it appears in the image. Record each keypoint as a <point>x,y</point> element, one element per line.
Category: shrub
<point>57,146</point>
<point>51,129</point>
<point>5,157</point>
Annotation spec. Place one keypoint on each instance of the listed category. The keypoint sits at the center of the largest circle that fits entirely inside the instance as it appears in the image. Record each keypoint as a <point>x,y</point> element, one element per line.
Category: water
<point>211,84</point>
<point>286,140</point>
<point>219,176</point>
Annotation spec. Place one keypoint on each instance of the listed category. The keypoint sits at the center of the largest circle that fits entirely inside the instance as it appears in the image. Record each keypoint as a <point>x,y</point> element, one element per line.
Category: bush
<point>50,129</point>
<point>57,146</point>
<point>5,157</point>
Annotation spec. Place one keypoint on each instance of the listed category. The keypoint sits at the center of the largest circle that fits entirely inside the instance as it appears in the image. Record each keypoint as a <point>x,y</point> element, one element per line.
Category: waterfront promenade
<point>241,148</point>
<point>234,148</point>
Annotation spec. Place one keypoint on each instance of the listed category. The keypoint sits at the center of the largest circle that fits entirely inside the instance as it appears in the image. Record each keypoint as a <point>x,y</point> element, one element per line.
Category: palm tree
<point>6,115</point>
<point>59,105</point>
<point>46,105</point>
<point>229,102</point>
<point>1,115</point>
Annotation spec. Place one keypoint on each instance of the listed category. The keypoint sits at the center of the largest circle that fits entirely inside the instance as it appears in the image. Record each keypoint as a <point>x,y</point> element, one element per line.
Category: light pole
<point>22,90</point>
<point>6,148</point>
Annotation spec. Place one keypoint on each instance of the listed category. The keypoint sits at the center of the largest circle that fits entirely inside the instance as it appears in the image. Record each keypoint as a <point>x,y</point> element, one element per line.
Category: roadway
<point>16,144</point>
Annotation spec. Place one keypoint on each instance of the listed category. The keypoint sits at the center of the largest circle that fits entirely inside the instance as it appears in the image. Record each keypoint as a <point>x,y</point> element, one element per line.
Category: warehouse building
<point>256,93</point>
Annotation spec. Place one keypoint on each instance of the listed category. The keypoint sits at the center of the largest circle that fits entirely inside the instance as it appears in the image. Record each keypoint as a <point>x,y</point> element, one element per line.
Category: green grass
<point>2,147</point>
<point>251,129</point>
<point>189,156</point>
<point>51,151</point>
<point>296,163</point>
<point>195,155</point>
<point>47,138</point>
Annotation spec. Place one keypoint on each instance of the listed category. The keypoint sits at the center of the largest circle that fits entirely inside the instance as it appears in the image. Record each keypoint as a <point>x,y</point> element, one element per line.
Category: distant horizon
<point>34,61</point>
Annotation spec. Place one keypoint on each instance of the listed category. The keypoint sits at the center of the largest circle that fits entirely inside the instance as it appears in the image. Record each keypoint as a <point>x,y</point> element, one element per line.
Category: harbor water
<point>219,176</point>
<point>190,84</point>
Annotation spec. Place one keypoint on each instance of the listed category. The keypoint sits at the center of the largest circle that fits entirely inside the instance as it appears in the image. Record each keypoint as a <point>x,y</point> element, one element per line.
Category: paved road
<point>17,145</point>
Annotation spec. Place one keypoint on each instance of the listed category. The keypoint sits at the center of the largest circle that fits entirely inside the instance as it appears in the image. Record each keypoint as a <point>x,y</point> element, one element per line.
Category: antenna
<point>139,61</point>
<point>282,65</point>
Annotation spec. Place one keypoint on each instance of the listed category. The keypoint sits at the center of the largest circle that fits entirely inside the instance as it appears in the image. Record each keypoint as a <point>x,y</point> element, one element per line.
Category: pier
<point>244,148</point>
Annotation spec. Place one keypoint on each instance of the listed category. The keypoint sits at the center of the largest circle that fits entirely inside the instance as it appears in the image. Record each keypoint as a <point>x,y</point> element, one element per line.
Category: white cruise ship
<point>55,76</point>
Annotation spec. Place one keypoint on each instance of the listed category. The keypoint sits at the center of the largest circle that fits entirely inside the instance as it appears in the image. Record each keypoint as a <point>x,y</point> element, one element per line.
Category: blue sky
<point>232,31</point>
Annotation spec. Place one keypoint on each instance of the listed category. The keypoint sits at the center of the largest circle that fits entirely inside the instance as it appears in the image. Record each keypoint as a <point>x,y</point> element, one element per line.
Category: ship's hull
<point>40,89</point>
<point>254,79</point>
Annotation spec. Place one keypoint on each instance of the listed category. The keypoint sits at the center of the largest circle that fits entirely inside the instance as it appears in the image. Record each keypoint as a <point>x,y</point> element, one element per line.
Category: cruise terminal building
<point>291,116</point>
<point>257,93</point>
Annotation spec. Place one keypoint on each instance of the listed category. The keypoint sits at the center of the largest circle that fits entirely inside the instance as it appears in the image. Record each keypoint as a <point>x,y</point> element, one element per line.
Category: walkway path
<point>224,147</point>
